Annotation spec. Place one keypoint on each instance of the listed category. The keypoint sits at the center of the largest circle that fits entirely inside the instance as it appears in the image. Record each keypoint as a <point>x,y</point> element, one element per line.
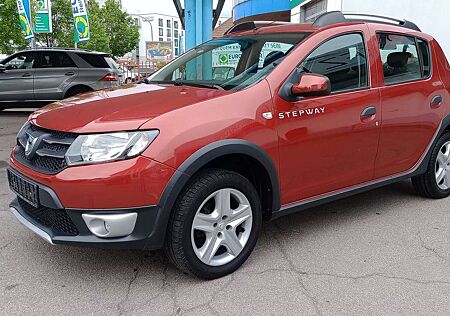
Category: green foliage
<point>100,41</point>
<point>11,38</point>
<point>112,30</point>
<point>121,28</point>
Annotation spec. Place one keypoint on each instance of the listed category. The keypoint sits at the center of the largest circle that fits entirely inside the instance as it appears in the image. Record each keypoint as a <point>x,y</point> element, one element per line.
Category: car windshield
<point>230,63</point>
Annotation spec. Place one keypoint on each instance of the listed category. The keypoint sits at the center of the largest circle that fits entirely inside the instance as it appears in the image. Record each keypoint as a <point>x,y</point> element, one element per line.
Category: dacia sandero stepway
<point>192,162</point>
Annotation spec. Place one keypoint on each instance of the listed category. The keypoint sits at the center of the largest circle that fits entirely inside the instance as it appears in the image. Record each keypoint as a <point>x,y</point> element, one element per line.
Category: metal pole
<point>207,25</point>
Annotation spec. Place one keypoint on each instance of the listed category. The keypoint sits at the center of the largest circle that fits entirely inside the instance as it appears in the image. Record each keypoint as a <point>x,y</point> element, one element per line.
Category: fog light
<point>110,225</point>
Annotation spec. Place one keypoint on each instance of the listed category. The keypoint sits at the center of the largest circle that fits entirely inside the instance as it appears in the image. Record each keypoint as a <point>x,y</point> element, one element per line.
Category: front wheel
<point>214,225</point>
<point>435,183</point>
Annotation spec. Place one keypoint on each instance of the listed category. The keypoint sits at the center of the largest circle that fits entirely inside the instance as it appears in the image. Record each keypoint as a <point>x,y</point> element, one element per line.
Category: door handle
<point>436,102</point>
<point>368,112</point>
<point>26,75</point>
<point>69,73</point>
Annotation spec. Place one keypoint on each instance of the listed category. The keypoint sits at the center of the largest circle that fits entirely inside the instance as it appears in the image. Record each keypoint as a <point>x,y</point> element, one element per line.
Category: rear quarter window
<point>111,62</point>
<point>94,60</point>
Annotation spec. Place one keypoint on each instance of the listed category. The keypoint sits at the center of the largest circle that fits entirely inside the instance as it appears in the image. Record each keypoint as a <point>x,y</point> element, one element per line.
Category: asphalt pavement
<point>384,252</point>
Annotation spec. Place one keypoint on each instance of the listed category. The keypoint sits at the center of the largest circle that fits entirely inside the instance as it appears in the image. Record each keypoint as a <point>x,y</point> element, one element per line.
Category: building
<point>261,10</point>
<point>430,16</point>
<point>154,27</point>
<point>222,28</point>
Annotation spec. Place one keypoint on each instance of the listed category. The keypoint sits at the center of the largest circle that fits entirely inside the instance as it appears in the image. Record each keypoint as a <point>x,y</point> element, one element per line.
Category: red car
<point>194,165</point>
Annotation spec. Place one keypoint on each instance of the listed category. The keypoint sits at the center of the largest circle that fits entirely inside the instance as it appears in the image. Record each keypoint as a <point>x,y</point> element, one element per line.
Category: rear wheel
<point>76,91</point>
<point>214,225</point>
<point>435,183</point>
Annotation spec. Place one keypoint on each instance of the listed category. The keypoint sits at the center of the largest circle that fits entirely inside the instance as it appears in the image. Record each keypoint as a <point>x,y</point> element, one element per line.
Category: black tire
<point>178,246</point>
<point>76,91</point>
<point>426,184</point>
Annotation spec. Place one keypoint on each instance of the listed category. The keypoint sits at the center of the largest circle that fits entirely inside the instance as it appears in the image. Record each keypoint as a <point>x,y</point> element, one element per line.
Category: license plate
<point>25,189</point>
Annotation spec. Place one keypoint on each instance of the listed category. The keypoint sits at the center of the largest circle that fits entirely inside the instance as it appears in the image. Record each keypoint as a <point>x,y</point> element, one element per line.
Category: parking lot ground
<point>384,252</point>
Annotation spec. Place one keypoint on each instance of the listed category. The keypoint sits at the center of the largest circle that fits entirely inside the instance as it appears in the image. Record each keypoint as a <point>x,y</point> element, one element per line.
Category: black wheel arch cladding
<point>200,159</point>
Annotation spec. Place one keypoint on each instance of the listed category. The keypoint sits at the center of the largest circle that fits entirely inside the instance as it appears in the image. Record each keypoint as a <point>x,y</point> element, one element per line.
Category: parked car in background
<point>46,75</point>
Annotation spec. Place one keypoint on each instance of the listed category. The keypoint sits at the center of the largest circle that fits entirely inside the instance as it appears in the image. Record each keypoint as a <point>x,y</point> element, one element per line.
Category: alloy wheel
<point>221,227</point>
<point>442,171</point>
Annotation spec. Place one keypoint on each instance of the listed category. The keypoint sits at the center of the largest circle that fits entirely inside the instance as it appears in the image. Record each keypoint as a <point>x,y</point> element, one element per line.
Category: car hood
<point>117,109</point>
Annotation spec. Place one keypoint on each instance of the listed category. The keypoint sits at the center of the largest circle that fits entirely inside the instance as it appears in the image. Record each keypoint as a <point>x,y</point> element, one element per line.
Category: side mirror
<point>2,68</point>
<point>312,85</point>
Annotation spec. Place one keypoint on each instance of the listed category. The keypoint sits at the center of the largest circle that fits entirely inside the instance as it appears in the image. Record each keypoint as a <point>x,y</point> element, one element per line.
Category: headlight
<point>89,149</point>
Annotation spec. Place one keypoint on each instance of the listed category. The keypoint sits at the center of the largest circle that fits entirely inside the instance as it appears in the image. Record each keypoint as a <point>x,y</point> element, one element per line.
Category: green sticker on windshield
<point>223,59</point>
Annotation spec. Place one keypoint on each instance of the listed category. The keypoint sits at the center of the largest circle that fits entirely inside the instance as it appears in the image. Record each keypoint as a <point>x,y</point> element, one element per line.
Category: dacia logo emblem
<point>29,147</point>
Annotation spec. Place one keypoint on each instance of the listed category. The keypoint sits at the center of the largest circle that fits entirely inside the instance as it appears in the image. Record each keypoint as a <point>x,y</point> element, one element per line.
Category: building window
<point>176,42</point>
<point>175,24</point>
<point>176,51</point>
<point>161,22</point>
<point>169,33</point>
<point>175,34</point>
<point>169,24</point>
<point>161,39</point>
<point>161,32</point>
<point>312,10</point>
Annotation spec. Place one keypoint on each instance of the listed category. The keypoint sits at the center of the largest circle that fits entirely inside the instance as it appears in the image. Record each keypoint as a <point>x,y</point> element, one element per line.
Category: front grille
<point>57,220</point>
<point>48,156</point>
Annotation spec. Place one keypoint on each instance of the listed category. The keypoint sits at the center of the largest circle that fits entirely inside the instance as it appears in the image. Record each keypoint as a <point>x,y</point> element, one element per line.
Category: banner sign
<point>295,3</point>
<point>25,21</point>
<point>43,17</point>
<point>158,50</point>
<point>80,21</point>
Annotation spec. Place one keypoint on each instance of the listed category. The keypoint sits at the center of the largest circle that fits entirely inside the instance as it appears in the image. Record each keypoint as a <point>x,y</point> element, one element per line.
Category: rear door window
<point>55,60</point>
<point>400,58</point>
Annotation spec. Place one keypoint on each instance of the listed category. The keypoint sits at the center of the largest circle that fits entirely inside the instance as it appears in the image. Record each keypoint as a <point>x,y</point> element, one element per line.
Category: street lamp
<point>149,20</point>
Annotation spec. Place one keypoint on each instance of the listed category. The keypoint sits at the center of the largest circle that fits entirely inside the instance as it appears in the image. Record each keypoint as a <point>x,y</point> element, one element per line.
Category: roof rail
<point>335,17</point>
<point>58,48</point>
<point>253,25</point>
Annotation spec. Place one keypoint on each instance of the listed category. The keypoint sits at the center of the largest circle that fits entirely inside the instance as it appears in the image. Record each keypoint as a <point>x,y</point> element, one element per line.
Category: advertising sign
<point>295,3</point>
<point>25,21</point>
<point>228,55</point>
<point>80,21</point>
<point>158,50</point>
<point>43,17</point>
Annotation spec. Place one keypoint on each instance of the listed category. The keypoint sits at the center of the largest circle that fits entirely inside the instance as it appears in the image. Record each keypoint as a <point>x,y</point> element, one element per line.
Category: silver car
<point>46,75</point>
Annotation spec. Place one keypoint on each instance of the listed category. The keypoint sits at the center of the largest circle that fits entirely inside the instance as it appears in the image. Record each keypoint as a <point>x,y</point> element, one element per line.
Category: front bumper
<point>140,238</point>
<point>59,225</point>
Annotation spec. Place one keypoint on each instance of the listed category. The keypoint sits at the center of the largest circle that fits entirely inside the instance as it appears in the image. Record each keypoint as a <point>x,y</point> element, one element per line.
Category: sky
<point>164,6</point>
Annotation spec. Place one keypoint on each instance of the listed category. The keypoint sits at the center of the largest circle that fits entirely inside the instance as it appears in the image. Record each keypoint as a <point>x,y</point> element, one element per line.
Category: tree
<point>112,30</point>
<point>11,37</point>
<point>100,40</point>
<point>122,30</point>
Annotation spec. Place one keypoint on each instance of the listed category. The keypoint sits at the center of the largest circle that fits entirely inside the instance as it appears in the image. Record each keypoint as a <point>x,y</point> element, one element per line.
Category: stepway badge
<point>24,20</point>
<point>80,21</point>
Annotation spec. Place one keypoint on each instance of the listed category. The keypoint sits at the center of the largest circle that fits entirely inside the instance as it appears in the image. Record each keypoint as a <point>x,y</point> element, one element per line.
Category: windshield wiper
<point>185,83</point>
<point>198,85</point>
